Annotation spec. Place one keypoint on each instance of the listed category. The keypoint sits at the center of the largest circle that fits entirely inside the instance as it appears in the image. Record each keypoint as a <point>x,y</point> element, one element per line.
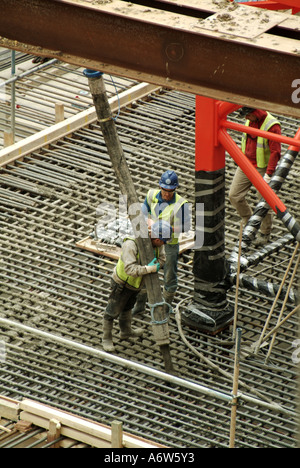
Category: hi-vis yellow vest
<point>133,281</point>
<point>262,149</point>
<point>169,213</point>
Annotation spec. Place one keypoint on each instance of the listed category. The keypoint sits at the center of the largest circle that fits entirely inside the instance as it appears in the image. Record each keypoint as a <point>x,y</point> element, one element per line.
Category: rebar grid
<point>38,92</point>
<point>49,202</point>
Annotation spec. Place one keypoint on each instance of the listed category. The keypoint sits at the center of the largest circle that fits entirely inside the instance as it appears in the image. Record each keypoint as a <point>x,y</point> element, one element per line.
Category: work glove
<point>267,178</point>
<point>153,266</point>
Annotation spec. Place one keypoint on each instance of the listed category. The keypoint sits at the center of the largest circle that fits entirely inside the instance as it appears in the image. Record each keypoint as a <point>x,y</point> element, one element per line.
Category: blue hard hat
<point>169,180</point>
<point>162,230</point>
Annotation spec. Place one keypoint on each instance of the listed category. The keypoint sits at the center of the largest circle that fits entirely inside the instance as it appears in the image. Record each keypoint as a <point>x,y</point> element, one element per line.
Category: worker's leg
<point>126,330</point>
<point>107,339</point>
<point>140,305</point>
<point>267,223</point>
<point>170,272</point>
<point>125,317</point>
<point>237,195</point>
<point>117,301</point>
<point>120,304</point>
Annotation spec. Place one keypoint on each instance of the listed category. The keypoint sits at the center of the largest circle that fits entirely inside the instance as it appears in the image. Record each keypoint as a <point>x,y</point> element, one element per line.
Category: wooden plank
<point>68,432</point>
<point>75,427</point>
<point>186,242</point>
<point>54,432</point>
<point>71,125</point>
<point>9,409</point>
<point>59,112</point>
<point>242,22</point>
<point>116,434</point>
<point>249,22</point>
<point>107,250</point>
<point>5,429</point>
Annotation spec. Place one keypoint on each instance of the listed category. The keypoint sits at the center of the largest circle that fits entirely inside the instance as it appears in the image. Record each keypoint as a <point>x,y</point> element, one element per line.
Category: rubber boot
<point>107,342</point>
<point>140,305</point>
<point>126,330</point>
<point>262,240</point>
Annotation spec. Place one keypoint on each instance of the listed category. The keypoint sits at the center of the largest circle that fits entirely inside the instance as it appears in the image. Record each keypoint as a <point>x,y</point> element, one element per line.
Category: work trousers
<point>239,189</point>
<point>171,267</point>
<point>121,299</point>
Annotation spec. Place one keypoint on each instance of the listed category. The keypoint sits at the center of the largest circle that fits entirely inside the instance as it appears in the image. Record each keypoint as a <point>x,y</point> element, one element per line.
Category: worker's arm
<point>131,263</point>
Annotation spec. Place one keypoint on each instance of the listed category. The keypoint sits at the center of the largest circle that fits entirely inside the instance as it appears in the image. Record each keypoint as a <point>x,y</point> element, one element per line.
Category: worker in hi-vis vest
<point>165,203</point>
<point>127,281</point>
<point>264,154</point>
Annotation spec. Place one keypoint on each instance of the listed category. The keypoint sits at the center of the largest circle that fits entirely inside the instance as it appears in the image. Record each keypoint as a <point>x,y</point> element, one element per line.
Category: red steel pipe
<point>225,108</point>
<point>258,132</point>
<point>272,5</point>
<point>296,137</point>
<point>210,155</point>
<point>257,180</point>
<point>290,3</point>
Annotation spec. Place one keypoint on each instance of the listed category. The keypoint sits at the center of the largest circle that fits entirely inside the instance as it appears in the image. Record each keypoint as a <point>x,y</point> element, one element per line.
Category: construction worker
<point>165,203</point>
<point>127,281</point>
<point>264,154</point>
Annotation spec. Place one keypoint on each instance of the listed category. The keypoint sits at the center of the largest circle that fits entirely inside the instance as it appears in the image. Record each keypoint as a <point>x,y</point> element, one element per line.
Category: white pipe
<point>142,368</point>
<point>117,360</point>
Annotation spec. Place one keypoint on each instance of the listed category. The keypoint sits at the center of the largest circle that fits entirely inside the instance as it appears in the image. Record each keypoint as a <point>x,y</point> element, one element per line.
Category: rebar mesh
<point>48,203</point>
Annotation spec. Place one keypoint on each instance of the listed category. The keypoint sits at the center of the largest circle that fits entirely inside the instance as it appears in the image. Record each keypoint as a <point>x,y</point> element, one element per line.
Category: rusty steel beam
<point>164,47</point>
